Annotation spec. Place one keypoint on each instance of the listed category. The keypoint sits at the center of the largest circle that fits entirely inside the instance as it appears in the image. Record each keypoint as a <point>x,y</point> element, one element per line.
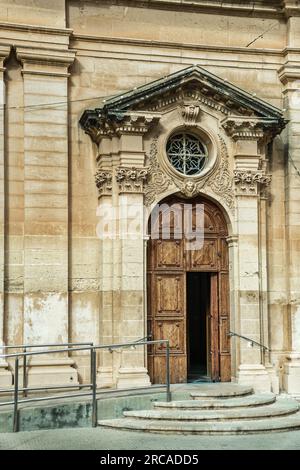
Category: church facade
<point>150,185</point>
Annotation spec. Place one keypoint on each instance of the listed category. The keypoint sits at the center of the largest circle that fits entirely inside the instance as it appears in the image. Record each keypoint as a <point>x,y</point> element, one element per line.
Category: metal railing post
<point>168,371</point>
<point>91,367</point>
<point>94,390</point>
<point>24,372</point>
<point>16,396</point>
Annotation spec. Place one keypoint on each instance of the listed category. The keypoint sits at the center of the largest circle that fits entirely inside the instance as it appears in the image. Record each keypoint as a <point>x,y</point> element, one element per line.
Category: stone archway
<point>188,294</point>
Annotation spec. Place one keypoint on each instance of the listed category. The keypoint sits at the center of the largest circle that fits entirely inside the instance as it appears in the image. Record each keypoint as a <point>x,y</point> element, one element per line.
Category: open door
<point>170,264</point>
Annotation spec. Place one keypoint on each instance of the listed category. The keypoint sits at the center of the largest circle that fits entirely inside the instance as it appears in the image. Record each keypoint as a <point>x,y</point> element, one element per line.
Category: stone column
<point>45,76</point>
<point>133,370</point>
<point>232,242</point>
<point>131,177</point>
<point>248,176</point>
<point>290,77</point>
<point>120,178</point>
<point>5,375</point>
<point>107,268</point>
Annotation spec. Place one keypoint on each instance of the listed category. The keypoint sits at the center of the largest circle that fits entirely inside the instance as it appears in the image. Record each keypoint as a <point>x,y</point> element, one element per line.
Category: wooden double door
<point>184,284</point>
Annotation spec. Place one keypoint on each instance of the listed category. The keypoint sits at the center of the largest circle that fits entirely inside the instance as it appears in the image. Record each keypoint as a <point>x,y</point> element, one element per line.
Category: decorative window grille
<point>186,153</point>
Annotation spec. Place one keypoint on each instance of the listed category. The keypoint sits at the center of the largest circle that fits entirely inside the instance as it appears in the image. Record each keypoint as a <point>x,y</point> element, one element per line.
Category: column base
<point>5,376</point>
<point>291,376</point>
<point>105,377</point>
<point>274,378</point>
<point>254,375</point>
<point>133,377</point>
<point>51,372</point>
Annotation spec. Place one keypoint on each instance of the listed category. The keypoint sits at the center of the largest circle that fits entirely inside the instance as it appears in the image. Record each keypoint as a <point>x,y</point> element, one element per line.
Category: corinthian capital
<point>103,179</point>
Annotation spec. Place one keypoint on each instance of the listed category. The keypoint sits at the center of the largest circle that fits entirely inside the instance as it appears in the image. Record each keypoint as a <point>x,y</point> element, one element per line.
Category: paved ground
<point>104,439</point>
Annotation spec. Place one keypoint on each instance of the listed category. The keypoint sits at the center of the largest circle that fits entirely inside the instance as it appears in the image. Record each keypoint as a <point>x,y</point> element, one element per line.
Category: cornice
<point>4,53</point>
<point>254,8</point>
<point>291,8</point>
<point>99,125</point>
<point>289,73</point>
<point>35,28</point>
<point>45,55</point>
<point>176,45</point>
<point>242,128</point>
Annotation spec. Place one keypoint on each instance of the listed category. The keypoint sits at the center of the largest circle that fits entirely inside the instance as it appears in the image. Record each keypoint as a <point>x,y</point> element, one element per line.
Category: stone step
<point>239,402</point>
<point>221,391</point>
<point>281,408</point>
<point>286,423</point>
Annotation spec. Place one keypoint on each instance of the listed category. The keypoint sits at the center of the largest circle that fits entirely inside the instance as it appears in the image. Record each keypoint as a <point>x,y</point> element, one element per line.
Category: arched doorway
<point>188,293</point>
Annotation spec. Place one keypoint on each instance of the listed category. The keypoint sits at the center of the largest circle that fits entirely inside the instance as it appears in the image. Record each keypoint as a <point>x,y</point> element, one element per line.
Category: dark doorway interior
<point>198,310</point>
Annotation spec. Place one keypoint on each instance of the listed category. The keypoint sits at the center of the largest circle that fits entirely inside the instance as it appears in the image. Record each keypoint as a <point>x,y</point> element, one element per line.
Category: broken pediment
<point>137,110</point>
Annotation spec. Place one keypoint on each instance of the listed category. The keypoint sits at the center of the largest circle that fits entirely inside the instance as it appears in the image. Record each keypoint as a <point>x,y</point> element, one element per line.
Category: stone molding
<point>103,179</point>
<point>53,62</point>
<point>4,53</point>
<point>248,182</point>
<point>117,124</point>
<point>289,73</point>
<point>133,123</point>
<point>291,8</point>
<point>131,180</point>
<point>254,8</point>
<point>199,93</point>
<point>241,128</point>
<point>36,28</point>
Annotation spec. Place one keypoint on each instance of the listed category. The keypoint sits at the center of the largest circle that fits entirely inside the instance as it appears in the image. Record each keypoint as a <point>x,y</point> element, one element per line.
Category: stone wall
<point>62,57</point>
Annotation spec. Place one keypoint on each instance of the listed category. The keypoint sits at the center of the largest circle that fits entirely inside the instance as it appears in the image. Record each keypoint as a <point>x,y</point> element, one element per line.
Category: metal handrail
<point>252,341</point>
<point>93,371</point>
<point>22,346</point>
<point>25,347</point>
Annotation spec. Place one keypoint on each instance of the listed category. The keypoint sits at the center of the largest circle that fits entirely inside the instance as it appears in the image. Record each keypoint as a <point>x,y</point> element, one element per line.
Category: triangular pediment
<point>191,84</point>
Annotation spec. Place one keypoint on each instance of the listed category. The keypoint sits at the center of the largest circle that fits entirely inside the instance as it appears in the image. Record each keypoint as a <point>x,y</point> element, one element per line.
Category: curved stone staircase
<point>215,409</point>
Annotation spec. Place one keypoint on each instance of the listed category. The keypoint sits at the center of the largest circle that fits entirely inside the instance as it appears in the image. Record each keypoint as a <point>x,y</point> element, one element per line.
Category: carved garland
<point>131,180</point>
<point>248,182</point>
<point>219,181</point>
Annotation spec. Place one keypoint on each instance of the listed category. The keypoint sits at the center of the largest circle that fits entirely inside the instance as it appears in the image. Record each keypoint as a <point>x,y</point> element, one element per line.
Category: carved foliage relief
<point>219,181</point>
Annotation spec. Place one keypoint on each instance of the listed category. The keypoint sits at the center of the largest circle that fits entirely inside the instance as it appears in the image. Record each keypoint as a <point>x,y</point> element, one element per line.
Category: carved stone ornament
<point>133,122</point>
<point>131,180</point>
<point>103,179</point>
<point>118,123</point>
<point>248,182</point>
<point>220,181</point>
<point>190,113</point>
<point>242,128</point>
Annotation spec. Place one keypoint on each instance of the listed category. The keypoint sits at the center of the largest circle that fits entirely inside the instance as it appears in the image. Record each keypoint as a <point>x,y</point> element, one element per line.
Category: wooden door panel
<point>223,255</point>
<point>177,369</point>
<point>169,254</point>
<point>174,331</point>
<point>168,294</point>
<point>214,328</point>
<point>224,327</point>
<point>205,259</point>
